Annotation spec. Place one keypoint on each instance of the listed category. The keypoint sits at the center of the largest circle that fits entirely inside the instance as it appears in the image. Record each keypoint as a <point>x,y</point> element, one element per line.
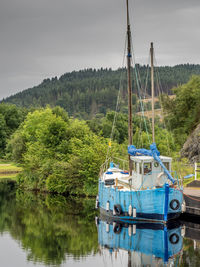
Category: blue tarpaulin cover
<point>133,151</point>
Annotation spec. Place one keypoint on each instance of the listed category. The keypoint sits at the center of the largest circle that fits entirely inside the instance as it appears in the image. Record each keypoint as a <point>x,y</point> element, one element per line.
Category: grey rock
<point>191,148</point>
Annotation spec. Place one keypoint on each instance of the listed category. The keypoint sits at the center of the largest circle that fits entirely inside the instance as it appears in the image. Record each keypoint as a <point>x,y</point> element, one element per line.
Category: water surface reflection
<point>48,227</point>
<point>51,230</point>
<point>146,243</point>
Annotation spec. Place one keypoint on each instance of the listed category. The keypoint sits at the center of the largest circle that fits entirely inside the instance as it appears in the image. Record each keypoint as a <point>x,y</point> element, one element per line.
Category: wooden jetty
<point>192,198</point>
<point>192,230</point>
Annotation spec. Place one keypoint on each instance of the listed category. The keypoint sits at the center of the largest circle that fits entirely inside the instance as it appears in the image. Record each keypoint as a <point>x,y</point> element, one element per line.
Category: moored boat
<point>148,191</point>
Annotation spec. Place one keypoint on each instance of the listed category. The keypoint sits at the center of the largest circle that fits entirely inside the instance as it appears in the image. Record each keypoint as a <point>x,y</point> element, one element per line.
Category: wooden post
<point>195,244</point>
<point>195,171</point>
<point>152,92</point>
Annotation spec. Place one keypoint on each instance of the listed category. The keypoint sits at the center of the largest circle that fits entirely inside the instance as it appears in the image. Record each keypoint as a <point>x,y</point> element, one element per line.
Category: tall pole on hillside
<point>152,92</point>
<point>130,131</point>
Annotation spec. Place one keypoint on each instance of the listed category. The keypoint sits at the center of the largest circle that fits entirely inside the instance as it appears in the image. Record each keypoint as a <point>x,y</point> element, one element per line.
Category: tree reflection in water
<point>53,229</point>
<point>49,227</point>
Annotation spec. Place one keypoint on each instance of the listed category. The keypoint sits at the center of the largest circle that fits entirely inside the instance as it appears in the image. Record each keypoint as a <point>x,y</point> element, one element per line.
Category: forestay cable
<point>139,95</point>
<point>118,101</point>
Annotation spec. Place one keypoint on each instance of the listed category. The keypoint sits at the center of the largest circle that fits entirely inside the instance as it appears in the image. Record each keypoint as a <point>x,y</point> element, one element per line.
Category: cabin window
<point>166,165</point>
<point>156,164</point>
<point>134,166</point>
<point>147,167</point>
<point>140,165</point>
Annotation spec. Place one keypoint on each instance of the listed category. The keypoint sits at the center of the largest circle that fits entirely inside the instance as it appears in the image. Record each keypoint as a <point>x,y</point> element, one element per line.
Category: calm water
<point>39,230</point>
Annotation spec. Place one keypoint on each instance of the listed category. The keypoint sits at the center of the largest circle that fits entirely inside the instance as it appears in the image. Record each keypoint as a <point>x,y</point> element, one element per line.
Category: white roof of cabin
<point>149,159</point>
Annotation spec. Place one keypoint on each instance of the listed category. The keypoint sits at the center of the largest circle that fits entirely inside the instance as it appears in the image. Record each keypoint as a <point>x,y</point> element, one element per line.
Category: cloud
<point>44,38</point>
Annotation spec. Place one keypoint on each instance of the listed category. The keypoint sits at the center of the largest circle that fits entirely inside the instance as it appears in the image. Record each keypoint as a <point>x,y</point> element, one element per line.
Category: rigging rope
<point>138,88</point>
<point>147,77</point>
<point>146,85</point>
<point>118,102</point>
<point>160,92</point>
<point>145,95</point>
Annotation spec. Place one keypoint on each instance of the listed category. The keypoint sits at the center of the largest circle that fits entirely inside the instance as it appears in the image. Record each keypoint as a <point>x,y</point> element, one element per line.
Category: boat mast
<point>152,92</point>
<point>130,131</point>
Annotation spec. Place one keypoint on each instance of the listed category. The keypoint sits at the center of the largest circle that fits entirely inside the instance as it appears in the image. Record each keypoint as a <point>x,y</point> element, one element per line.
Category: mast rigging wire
<point>118,100</point>
<point>139,95</point>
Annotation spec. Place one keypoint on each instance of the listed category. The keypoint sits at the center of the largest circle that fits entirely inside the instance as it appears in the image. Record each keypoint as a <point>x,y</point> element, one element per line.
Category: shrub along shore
<point>62,154</point>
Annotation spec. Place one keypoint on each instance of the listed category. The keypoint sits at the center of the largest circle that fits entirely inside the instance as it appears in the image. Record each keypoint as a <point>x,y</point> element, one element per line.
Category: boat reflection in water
<point>147,244</point>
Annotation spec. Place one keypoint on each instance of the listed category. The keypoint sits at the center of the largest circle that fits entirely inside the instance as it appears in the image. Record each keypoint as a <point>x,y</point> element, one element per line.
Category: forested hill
<point>87,92</point>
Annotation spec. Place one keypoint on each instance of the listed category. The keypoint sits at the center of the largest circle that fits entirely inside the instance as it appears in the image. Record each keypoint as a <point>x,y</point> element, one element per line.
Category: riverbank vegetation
<point>59,154</point>
<point>63,154</point>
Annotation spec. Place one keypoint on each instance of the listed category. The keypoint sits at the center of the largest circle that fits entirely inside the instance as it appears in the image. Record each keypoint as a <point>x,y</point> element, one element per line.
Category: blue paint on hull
<point>166,201</point>
<point>150,204</point>
<point>156,242</point>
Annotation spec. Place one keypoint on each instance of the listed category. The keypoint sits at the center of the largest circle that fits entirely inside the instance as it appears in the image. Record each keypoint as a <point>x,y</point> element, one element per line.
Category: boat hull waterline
<point>159,204</point>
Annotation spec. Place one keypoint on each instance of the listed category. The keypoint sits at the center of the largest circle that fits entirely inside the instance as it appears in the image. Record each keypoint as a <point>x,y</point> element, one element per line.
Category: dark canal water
<point>44,230</point>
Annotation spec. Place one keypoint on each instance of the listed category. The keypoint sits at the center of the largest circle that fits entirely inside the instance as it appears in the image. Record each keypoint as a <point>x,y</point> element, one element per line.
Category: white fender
<point>107,227</point>
<point>183,207</point>
<point>130,210</point>
<point>107,206</point>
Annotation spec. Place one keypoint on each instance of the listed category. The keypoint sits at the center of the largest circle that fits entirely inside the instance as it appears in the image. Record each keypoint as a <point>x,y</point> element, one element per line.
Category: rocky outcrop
<point>191,148</point>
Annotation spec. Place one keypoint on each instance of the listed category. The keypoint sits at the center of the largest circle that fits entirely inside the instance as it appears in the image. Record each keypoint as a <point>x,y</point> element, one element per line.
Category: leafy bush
<point>59,154</point>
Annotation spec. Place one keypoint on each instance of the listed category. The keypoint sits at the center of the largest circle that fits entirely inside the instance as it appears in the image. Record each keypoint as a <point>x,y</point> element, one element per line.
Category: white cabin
<point>147,173</point>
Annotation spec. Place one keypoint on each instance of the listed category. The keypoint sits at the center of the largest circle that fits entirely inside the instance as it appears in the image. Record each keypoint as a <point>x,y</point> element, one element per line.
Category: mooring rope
<point>191,197</point>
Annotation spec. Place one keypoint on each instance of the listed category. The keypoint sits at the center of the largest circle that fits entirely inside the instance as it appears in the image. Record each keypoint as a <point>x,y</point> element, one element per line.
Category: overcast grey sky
<point>46,38</point>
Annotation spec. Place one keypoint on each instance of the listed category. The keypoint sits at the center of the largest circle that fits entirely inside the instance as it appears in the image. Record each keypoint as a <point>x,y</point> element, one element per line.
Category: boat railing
<point>121,163</point>
<point>179,181</point>
<point>124,163</point>
<point>103,167</point>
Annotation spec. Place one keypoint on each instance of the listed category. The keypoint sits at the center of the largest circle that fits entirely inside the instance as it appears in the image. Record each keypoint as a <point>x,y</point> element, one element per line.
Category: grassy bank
<point>9,170</point>
<point>183,168</point>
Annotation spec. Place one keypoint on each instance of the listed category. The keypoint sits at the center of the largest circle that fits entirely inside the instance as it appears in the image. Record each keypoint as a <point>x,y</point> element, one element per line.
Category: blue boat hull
<point>159,204</point>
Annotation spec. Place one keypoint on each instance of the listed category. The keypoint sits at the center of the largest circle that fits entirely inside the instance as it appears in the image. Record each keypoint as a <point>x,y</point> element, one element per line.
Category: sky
<point>46,38</point>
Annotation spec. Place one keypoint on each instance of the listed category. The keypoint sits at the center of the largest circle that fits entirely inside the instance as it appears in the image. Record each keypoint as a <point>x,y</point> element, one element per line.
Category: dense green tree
<point>59,154</point>
<point>10,119</point>
<point>118,131</point>
<point>3,134</point>
<point>163,138</point>
<point>13,116</point>
<point>183,111</point>
<point>88,92</point>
